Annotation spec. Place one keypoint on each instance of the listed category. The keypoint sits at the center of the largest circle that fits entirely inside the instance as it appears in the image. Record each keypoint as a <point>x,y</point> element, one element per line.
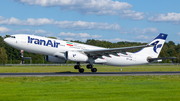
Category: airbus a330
<point>59,51</point>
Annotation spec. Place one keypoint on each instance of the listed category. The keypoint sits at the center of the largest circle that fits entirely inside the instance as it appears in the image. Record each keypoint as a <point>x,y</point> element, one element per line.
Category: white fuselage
<point>48,46</point>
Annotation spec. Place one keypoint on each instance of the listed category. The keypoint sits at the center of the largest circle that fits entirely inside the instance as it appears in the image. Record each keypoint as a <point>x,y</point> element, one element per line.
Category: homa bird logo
<point>156,46</point>
<point>74,55</point>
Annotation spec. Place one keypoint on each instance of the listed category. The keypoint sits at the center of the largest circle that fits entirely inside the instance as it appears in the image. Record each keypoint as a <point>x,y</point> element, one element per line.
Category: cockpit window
<point>12,36</point>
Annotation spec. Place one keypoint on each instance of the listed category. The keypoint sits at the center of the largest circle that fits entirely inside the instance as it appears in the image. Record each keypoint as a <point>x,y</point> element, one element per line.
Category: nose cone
<point>8,41</point>
<point>5,40</point>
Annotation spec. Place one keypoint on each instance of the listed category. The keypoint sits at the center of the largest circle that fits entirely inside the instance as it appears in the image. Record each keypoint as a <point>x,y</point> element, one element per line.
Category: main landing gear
<point>78,66</point>
<point>89,66</point>
<point>81,70</point>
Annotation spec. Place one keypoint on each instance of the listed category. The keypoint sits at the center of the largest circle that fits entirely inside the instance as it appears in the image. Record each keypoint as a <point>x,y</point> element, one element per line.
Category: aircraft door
<point>23,39</point>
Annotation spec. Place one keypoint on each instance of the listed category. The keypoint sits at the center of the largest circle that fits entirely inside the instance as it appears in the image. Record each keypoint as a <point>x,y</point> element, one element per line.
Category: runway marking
<point>89,74</point>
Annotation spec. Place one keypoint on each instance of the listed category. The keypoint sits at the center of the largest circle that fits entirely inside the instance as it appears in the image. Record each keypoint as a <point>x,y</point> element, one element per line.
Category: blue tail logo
<point>156,46</point>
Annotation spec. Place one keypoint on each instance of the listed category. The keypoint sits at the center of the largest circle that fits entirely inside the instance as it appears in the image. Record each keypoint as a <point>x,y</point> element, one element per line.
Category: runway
<point>89,74</point>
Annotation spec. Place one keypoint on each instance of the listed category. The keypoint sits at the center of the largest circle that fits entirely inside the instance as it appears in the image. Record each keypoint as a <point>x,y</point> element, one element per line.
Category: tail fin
<point>157,43</point>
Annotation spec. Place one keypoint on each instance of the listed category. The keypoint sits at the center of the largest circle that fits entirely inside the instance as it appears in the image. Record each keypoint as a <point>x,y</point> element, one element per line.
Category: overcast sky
<point>110,20</point>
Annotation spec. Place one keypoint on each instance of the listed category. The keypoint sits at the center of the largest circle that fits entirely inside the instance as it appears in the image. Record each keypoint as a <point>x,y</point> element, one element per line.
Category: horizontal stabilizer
<point>153,59</point>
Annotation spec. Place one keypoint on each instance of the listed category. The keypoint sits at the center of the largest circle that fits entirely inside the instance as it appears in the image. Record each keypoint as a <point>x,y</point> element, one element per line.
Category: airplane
<point>59,51</point>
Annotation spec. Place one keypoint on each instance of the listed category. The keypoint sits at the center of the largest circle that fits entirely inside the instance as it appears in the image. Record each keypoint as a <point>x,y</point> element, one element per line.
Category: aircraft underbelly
<point>124,61</point>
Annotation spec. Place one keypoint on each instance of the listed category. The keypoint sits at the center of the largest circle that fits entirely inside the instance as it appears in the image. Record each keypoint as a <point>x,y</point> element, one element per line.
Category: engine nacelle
<point>55,59</point>
<point>76,56</point>
<point>99,61</point>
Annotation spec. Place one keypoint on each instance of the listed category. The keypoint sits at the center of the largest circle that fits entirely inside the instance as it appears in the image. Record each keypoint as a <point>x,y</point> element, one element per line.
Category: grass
<point>125,88</point>
<point>88,88</point>
<point>101,68</point>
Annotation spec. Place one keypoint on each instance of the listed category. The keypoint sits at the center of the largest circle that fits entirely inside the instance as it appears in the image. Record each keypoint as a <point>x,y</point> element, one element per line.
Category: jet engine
<point>55,59</point>
<point>76,56</point>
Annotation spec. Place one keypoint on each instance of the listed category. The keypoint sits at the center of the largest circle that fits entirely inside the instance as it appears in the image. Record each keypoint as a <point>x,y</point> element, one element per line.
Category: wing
<point>107,51</point>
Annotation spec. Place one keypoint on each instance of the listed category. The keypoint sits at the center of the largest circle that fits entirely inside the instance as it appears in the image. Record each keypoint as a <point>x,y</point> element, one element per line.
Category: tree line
<point>11,55</point>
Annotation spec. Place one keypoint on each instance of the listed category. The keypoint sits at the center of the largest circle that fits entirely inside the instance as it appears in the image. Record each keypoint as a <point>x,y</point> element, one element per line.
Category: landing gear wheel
<point>89,66</point>
<point>77,67</point>
<point>81,70</point>
<point>93,70</point>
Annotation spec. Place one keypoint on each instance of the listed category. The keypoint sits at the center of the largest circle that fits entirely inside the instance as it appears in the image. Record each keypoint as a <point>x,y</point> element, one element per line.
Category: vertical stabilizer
<point>157,43</point>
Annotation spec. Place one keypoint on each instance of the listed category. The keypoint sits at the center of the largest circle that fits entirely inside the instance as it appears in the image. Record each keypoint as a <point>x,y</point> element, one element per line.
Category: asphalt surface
<point>89,74</point>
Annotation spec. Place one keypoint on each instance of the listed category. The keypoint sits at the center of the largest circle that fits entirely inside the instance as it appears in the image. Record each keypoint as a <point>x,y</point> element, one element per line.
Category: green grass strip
<point>116,88</point>
<point>100,68</point>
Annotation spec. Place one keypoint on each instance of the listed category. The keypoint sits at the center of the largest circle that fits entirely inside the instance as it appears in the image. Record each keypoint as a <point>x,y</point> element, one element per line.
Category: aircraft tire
<point>93,70</point>
<point>81,70</point>
<point>76,67</point>
<point>89,66</point>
